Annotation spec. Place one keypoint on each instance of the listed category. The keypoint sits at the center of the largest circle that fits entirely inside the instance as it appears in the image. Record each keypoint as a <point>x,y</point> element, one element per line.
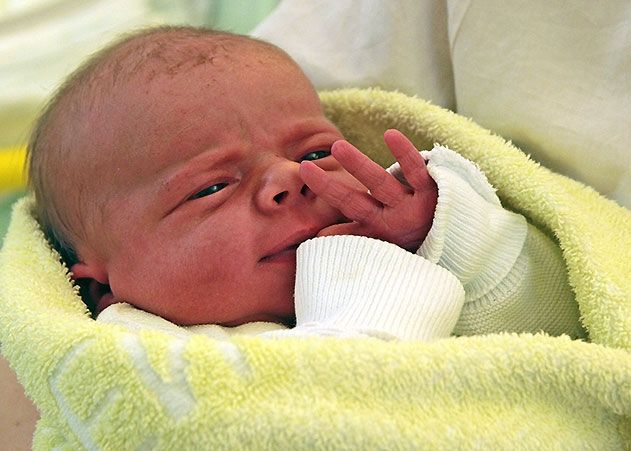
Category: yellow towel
<point>102,386</point>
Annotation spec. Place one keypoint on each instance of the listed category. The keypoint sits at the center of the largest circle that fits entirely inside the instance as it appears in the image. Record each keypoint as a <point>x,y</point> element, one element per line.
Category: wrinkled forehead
<point>162,107</point>
<point>147,69</point>
<point>163,102</point>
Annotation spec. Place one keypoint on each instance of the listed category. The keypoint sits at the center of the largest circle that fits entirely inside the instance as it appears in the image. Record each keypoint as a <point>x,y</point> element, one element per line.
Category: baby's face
<point>203,206</point>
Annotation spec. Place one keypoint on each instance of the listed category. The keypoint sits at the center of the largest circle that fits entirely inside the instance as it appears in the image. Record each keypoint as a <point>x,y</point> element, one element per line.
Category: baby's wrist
<point>414,244</point>
<point>421,234</point>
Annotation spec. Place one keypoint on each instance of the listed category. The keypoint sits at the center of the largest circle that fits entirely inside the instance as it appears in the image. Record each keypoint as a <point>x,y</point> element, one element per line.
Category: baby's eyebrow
<point>173,177</point>
<point>307,128</point>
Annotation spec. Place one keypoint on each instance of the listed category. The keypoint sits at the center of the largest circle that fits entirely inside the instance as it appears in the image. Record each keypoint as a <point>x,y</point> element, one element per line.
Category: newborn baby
<point>180,169</point>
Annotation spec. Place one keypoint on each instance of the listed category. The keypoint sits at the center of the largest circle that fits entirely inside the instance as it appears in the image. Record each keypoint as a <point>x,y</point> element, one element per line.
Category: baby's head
<point>166,172</point>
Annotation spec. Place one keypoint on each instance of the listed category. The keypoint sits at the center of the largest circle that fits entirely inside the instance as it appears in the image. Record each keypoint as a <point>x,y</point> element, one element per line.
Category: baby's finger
<point>355,205</point>
<point>411,162</point>
<point>382,185</point>
<point>347,228</point>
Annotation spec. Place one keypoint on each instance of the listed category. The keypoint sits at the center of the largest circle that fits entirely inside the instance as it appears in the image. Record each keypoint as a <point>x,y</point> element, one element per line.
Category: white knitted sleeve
<point>350,286</point>
<point>513,275</point>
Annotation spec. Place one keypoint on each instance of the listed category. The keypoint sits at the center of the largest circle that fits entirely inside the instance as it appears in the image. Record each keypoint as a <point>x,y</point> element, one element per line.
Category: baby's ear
<point>93,285</point>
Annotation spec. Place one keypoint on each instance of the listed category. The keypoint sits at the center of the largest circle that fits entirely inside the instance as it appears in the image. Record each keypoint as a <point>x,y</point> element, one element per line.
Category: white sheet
<point>551,76</point>
<point>357,43</point>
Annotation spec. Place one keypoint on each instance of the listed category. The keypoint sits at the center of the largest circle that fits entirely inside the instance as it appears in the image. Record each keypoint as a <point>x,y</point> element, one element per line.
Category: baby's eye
<point>316,155</point>
<point>212,189</point>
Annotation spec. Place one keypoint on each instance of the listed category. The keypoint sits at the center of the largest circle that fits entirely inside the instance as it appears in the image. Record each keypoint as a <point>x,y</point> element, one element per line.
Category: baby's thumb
<point>347,228</point>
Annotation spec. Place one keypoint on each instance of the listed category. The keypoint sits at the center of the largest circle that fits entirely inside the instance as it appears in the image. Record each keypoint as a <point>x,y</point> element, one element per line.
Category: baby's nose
<point>281,186</point>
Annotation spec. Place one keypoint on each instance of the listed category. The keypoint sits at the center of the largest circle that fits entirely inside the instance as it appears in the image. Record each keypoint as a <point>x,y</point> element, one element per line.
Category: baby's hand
<point>400,212</point>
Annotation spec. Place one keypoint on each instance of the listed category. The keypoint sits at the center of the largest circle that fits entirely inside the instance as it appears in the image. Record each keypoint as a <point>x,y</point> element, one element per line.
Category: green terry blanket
<point>101,386</point>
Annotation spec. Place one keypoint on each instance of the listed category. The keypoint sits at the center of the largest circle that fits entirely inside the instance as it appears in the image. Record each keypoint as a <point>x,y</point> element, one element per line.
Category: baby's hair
<point>148,53</point>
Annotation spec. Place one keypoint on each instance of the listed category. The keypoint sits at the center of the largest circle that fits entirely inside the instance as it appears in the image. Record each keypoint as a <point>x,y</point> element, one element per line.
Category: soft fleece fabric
<point>101,386</point>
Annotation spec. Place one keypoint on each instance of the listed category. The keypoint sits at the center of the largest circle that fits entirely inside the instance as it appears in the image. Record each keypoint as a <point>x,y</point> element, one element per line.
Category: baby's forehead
<point>128,87</point>
<point>134,71</point>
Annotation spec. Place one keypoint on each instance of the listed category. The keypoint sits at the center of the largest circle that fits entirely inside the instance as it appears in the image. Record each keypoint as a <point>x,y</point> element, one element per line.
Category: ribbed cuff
<point>472,235</point>
<point>375,288</point>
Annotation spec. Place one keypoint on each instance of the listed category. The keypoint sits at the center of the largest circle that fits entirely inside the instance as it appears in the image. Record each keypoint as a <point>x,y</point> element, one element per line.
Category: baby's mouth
<point>285,251</point>
<point>287,255</point>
